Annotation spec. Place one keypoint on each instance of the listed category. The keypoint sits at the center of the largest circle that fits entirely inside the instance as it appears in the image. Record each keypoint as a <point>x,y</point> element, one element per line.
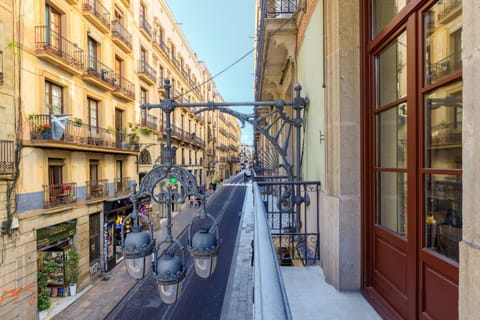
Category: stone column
<point>340,200</point>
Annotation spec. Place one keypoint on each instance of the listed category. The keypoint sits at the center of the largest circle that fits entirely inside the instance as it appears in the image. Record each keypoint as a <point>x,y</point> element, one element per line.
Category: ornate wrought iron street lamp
<point>169,184</point>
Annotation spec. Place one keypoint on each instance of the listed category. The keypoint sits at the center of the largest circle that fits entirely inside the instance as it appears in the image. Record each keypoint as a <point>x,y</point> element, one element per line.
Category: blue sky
<point>220,32</point>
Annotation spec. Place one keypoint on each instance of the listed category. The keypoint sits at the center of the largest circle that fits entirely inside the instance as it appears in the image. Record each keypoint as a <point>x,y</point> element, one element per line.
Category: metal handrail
<point>271,301</point>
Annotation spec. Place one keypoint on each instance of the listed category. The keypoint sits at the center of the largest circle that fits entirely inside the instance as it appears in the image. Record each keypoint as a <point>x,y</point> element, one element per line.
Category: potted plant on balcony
<point>77,122</point>
<point>72,270</point>
<point>44,129</point>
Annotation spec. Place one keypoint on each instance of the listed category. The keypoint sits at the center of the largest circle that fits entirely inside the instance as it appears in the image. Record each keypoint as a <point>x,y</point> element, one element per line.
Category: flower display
<point>44,127</point>
<point>77,121</point>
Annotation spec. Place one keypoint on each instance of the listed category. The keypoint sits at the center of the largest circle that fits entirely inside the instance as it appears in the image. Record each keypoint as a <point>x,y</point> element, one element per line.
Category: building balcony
<point>46,132</point>
<point>97,189</point>
<point>275,49</point>
<point>99,75</point>
<point>175,62</point>
<point>95,12</point>
<point>121,37</point>
<point>146,72</point>
<point>160,44</point>
<point>7,157</point>
<point>121,187</point>
<point>149,121</point>
<point>449,11</point>
<point>444,67</point>
<point>57,195</point>
<point>123,88</point>
<point>145,27</point>
<point>54,48</point>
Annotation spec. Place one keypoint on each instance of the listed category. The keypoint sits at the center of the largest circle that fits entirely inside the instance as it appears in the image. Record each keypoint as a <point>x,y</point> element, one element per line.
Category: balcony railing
<point>56,195</point>
<point>121,186</point>
<point>145,26</point>
<point>79,134</point>
<point>448,7</point>
<point>145,69</point>
<point>123,87</point>
<point>280,8</point>
<point>51,42</point>
<point>175,61</point>
<point>99,70</point>
<point>294,227</point>
<point>157,40</point>
<point>121,33</point>
<point>7,156</point>
<point>98,10</point>
<point>445,67</point>
<point>97,189</point>
<point>149,120</point>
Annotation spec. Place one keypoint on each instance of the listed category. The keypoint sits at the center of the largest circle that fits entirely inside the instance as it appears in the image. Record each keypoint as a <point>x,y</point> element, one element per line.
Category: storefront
<point>113,214</point>
<point>52,243</point>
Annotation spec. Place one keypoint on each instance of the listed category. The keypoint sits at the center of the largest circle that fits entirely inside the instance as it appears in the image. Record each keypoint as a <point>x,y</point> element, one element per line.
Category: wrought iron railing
<point>99,70</point>
<point>121,186</point>
<point>448,7</point>
<point>51,42</point>
<point>145,26</point>
<point>124,86</point>
<point>145,68</point>
<point>120,32</point>
<point>149,120</point>
<point>292,209</point>
<point>97,9</point>
<point>280,8</point>
<point>97,189</point>
<point>445,66</point>
<point>56,195</point>
<point>75,133</point>
<point>7,156</point>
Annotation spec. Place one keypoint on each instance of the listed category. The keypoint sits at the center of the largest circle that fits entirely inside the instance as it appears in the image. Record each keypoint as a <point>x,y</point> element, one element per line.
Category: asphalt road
<point>201,298</point>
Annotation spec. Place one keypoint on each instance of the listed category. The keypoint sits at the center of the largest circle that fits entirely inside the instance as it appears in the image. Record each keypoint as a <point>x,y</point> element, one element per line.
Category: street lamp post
<point>169,184</point>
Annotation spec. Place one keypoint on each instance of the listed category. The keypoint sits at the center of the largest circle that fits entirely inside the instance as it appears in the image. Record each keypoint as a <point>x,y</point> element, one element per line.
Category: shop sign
<point>55,233</point>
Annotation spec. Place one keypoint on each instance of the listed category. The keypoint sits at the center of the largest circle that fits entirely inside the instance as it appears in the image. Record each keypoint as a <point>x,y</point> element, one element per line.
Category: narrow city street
<point>201,298</point>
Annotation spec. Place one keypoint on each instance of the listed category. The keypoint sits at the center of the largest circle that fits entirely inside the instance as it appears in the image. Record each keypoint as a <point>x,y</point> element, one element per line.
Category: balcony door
<point>413,166</point>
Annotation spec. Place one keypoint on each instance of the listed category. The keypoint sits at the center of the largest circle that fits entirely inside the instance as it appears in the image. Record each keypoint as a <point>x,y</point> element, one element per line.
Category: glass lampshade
<point>136,267</point>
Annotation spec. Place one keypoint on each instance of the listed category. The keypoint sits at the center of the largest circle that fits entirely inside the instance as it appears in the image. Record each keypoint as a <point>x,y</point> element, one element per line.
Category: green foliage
<point>145,130</point>
<point>48,268</point>
<point>72,270</point>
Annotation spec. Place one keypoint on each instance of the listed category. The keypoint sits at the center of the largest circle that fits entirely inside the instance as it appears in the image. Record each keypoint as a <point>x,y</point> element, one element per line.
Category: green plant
<point>111,129</point>
<point>48,267</point>
<point>145,130</point>
<point>77,121</point>
<point>72,270</point>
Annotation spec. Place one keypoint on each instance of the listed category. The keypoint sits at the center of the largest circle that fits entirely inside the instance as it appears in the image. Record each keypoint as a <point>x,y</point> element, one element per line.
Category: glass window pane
<point>443,214</point>
<point>383,12</point>
<point>392,201</point>
<point>443,127</point>
<point>442,25</point>
<point>391,72</point>
<point>392,137</point>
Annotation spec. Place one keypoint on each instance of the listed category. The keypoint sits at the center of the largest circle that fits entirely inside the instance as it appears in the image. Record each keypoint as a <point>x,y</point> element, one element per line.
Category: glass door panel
<point>391,72</point>
<point>392,201</point>
<point>443,40</point>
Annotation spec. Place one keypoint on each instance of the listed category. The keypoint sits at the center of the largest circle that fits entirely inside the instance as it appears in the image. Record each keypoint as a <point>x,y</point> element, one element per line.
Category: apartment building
<point>73,75</point>
<point>389,134</point>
